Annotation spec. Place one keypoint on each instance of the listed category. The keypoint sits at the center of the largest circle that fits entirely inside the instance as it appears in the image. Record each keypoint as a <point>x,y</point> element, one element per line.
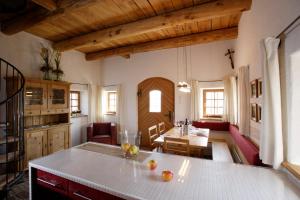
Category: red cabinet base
<point>49,186</point>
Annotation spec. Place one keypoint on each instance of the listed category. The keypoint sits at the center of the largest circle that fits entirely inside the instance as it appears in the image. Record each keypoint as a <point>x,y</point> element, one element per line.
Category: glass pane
<point>219,103</point>
<point>58,96</point>
<point>219,111</point>
<point>74,95</point>
<point>219,95</point>
<point>73,109</point>
<point>209,103</point>
<point>209,111</point>
<point>34,96</point>
<point>74,102</point>
<point>155,101</point>
<point>209,95</point>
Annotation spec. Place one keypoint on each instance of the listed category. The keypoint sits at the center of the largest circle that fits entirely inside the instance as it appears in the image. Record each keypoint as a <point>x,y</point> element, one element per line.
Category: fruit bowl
<point>130,150</point>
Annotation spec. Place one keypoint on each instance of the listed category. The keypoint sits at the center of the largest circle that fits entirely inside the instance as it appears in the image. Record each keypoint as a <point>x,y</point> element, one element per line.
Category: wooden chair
<point>177,146</point>
<point>153,134</point>
<point>161,128</point>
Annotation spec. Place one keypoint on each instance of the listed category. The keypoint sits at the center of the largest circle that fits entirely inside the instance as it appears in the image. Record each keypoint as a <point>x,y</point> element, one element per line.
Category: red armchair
<point>102,133</point>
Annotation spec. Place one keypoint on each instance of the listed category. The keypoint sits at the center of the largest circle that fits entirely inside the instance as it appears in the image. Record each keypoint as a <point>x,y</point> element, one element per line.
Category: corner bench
<point>221,152</point>
<point>247,150</point>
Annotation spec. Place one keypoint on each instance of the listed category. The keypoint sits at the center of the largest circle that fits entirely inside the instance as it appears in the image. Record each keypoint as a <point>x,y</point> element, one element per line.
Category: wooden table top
<point>196,141</point>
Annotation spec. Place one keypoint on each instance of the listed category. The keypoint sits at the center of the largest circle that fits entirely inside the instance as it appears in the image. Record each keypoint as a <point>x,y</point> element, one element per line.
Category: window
<point>111,102</point>
<point>155,101</point>
<point>213,103</point>
<point>75,101</point>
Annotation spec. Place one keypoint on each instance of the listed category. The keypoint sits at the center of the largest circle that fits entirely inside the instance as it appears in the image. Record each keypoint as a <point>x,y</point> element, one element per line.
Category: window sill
<point>211,119</point>
<point>113,114</point>
<point>294,169</point>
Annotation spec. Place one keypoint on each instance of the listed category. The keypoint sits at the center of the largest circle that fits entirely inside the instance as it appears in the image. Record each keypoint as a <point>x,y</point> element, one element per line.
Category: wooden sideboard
<point>47,117</point>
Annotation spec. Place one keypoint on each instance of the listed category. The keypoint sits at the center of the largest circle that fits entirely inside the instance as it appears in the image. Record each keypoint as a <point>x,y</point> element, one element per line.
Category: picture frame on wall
<point>259,87</point>
<point>259,110</point>
<point>253,111</point>
<point>254,88</point>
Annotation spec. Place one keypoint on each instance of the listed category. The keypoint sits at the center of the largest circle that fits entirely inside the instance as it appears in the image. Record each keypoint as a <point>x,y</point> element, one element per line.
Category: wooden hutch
<point>47,117</point>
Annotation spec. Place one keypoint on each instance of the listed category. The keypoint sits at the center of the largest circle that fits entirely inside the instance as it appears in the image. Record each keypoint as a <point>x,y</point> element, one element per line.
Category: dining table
<point>198,137</point>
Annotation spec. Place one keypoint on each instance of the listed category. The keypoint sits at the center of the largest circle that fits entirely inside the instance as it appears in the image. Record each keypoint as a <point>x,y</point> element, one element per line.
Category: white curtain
<point>244,100</point>
<point>230,100</point>
<point>120,118</point>
<point>271,141</point>
<point>95,109</point>
<point>195,100</point>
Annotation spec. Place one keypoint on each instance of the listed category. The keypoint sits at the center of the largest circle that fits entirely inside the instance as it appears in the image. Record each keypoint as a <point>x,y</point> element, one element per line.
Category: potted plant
<point>46,66</point>
<point>58,73</point>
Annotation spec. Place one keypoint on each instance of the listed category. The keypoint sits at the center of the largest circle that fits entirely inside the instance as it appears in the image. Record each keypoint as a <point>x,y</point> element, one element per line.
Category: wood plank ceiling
<point>103,28</point>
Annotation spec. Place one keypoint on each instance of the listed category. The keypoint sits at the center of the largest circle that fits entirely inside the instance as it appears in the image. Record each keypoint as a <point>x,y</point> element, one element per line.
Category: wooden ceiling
<point>103,28</point>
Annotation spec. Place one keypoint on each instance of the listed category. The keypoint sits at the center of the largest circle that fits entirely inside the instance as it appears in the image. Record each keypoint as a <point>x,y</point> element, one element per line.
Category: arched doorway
<point>156,103</point>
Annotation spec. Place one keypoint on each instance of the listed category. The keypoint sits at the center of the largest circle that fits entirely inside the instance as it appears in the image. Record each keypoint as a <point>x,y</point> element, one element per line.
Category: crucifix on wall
<point>230,53</point>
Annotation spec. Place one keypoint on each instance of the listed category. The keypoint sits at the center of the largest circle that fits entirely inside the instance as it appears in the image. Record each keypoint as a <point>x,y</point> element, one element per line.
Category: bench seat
<point>221,152</point>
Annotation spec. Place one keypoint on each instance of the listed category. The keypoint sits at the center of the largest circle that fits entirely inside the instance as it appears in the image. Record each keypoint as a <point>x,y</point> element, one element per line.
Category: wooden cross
<point>230,53</point>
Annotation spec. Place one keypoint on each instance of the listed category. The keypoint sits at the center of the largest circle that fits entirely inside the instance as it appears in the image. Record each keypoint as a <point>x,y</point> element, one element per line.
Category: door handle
<point>81,196</point>
<point>170,116</point>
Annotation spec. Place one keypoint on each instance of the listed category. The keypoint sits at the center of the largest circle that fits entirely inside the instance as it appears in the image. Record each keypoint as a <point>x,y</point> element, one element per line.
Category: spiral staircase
<point>11,126</point>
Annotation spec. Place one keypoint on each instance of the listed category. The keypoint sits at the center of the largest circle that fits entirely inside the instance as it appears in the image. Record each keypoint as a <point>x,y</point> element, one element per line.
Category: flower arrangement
<point>46,66</point>
<point>57,72</point>
<point>47,55</point>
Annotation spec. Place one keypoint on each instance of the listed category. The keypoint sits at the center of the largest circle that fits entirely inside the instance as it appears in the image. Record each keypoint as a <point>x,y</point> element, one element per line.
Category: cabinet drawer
<point>52,182</point>
<point>47,112</point>
<point>32,112</point>
<point>81,192</point>
<point>64,110</point>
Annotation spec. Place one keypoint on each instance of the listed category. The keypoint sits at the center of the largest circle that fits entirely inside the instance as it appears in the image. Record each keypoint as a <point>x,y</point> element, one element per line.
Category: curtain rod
<point>289,26</point>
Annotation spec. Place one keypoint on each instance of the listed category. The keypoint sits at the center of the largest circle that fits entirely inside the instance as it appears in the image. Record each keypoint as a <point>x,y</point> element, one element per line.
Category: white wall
<point>22,50</point>
<point>265,19</point>
<point>207,60</point>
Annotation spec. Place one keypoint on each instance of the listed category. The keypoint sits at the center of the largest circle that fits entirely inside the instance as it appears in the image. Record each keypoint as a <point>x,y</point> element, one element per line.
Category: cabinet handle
<point>49,183</point>
<point>81,196</point>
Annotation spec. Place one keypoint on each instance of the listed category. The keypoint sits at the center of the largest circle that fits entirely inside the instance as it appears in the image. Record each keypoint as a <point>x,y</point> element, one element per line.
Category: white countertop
<point>193,178</point>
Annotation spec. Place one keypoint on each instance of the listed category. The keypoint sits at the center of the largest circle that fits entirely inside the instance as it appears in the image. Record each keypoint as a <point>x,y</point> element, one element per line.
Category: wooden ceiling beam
<point>32,18</point>
<point>201,12</point>
<point>48,4</point>
<point>197,38</point>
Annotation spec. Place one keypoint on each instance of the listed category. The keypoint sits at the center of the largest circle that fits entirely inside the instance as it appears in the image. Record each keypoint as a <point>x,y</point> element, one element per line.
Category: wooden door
<point>155,105</point>
<point>58,139</point>
<point>35,145</point>
<point>58,96</point>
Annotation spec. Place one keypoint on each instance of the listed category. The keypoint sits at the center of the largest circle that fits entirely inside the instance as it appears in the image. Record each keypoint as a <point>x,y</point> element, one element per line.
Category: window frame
<point>204,103</point>
<point>108,111</point>
<point>78,105</point>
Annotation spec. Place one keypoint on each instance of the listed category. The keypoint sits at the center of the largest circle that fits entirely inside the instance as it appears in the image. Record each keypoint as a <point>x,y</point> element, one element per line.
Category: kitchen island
<point>101,168</point>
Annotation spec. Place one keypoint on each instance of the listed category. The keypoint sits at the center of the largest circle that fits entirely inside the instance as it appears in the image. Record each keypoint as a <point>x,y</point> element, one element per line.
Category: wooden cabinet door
<point>58,95</point>
<point>35,145</point>
<point>35,95</point>
<point>58,139</point>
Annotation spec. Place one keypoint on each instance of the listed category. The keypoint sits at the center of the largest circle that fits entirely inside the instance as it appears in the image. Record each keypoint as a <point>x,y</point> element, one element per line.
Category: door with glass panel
<point>155,105</point>
<point>35,95</point>
<point>58,96</point>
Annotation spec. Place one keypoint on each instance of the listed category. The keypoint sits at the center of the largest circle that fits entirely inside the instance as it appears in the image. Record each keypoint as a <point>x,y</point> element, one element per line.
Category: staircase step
<point>10,139</point>
<point>3,180</point>
<point>10,157</point>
